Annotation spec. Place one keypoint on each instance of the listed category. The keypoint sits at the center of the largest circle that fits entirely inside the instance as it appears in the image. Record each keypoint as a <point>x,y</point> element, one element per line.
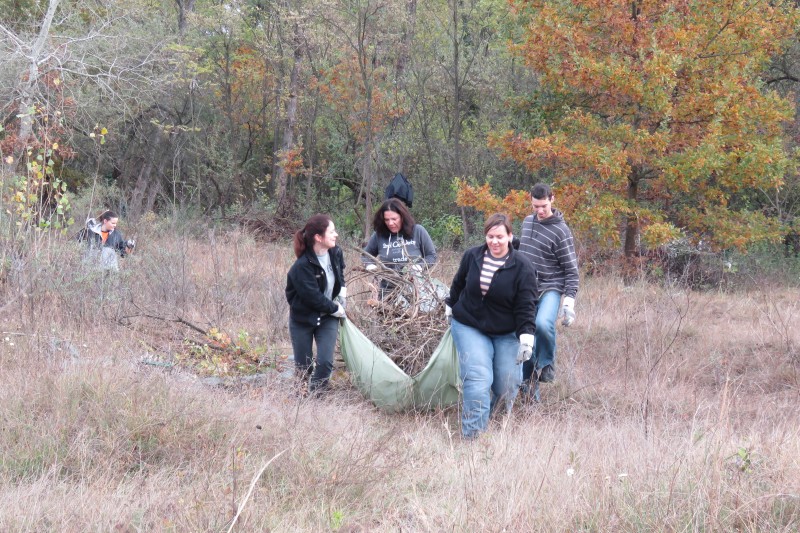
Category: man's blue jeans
<point>302,336</point>
<point>544,351</point>
<point>489,373</point>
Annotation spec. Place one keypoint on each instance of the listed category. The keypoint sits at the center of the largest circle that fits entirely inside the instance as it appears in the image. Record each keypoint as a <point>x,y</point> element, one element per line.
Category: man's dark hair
<point>396,206</point>
<point>541,191</point>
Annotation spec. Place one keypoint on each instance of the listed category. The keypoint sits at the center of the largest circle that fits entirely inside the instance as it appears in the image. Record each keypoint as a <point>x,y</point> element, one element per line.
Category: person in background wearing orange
<point>105,241</point>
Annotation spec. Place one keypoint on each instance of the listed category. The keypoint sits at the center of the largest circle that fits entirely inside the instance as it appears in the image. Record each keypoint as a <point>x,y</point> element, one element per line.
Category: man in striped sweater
<point>547,241</point>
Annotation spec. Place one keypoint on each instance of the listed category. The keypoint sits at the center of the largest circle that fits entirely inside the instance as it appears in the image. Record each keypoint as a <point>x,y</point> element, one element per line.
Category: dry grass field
<point>673,410</point>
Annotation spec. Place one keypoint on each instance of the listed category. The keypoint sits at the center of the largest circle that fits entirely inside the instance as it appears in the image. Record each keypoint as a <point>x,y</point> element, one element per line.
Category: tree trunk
<point>367,169</point>
<point>184,7</point>
<point>366,80</point>
<point>407,41</point>
<point>457,111</point>
<point>631,248</point>
<point>277,130</point>
<point>311,148</point>
<point>154,188</point>
<point>145,173</point>
<point>456,94</point>
<point>290,125</point>
<point>28,86</point>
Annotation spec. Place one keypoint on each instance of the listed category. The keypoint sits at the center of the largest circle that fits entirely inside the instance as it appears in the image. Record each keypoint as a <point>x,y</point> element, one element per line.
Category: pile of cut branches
<point>400,311</point>
<point>267,228</point>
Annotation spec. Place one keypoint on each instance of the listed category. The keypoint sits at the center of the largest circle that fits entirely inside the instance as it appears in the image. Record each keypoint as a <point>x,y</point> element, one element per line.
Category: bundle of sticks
<point>401,311</point>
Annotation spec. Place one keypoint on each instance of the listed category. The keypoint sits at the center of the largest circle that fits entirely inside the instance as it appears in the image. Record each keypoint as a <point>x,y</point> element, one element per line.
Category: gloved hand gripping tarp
<point>391,389</point>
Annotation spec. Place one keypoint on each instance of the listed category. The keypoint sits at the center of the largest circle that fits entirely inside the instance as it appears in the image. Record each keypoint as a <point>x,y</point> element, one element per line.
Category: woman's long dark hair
<point>304,238</point>
<point>396,206</point>
<point>106,215</point>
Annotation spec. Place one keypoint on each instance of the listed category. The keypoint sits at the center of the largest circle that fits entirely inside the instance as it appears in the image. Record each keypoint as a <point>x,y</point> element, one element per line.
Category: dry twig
<point>401,311</point>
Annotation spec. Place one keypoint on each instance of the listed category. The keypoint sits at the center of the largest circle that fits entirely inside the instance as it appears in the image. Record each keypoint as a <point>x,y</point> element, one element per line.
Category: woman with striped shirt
<point>492,314</point>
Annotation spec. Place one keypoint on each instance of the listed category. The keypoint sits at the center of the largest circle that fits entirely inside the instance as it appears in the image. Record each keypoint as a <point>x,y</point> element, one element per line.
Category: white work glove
<point>131,244</point>
<point>567,312</point>
<point>339,311</point>
<point>416,267</point>
<point>448,312</point>
<point>341,298</point>
<point>525,348</point>
<point>372,267</point>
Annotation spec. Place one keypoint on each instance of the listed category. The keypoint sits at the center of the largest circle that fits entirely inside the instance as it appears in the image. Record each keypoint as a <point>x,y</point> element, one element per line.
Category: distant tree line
<point>655,121</point>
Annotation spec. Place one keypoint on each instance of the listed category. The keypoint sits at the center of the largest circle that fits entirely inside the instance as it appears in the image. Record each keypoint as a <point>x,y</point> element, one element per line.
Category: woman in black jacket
<point>492,307</point>
<point>316,294</point>
<point>105,243</point>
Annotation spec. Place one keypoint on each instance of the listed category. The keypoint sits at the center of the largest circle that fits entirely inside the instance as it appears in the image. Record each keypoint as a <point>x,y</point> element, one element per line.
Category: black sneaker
<point>548,374</point>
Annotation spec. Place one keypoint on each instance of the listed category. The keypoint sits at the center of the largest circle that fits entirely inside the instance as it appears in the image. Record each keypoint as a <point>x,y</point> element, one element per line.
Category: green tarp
<point>391,389</point>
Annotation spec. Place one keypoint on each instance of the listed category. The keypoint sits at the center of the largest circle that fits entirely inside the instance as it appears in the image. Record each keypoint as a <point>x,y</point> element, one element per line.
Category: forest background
<point>657,122</point>
<point>153,400</point>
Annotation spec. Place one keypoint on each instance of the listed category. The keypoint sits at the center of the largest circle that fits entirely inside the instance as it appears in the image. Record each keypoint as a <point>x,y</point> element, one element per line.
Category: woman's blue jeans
<point>302,336</point>
<point>489,372</point>
<point>544,351</point>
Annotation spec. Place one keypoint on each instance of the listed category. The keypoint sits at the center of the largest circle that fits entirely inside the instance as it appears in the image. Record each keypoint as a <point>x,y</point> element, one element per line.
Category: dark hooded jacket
<point>400,188</point>
<point>306,283</point>
<point>510,303</point>
<point>549,245</point>
<point>92,235</point>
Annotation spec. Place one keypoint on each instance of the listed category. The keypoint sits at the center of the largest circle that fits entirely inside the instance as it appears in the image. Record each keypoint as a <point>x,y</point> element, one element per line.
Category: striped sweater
<point>490,266</point>
<point>549,245</point>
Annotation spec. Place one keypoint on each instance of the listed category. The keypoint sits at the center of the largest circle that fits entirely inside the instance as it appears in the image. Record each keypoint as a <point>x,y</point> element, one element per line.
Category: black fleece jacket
<point>509,304</point>
<point>114,240</point>
<point>306,283</point>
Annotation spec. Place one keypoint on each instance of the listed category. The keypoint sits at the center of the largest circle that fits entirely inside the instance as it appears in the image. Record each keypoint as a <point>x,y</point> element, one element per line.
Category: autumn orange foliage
<point>654,116</point>
<point>516,204</point>
<point>292,160</point>
<point>343,87</point>
<point>250,78</point>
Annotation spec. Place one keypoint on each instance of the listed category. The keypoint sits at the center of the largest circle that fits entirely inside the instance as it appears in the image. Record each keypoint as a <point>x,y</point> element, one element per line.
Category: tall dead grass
<point>673,411</point>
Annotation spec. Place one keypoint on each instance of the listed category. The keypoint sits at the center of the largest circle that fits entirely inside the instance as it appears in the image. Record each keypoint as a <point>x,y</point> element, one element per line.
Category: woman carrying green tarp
<point>315,291</point>
<point>398,242</point>
<point>492,306</point>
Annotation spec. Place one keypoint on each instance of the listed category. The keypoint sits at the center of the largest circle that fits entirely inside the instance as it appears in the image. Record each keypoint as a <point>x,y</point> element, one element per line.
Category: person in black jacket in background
<point>401,189</point>
<point>492,312</point>
<point>316,293</point>
<point>104,242</point>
